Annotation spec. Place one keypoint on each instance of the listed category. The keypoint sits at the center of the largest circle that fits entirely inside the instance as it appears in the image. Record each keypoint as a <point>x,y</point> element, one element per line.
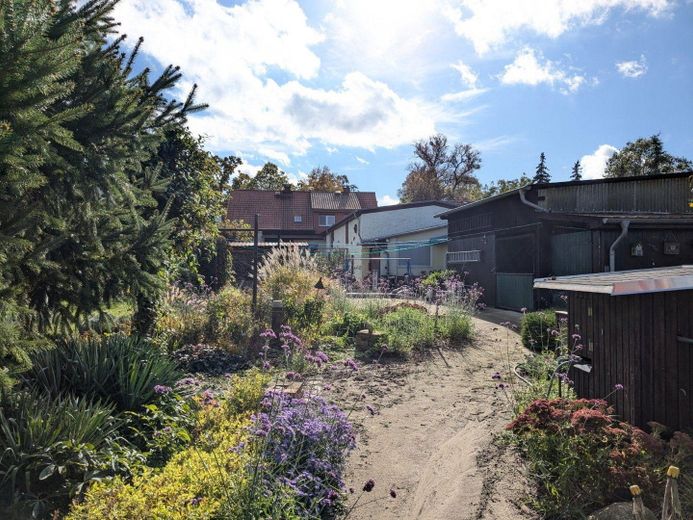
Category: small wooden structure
<point>636,329</point>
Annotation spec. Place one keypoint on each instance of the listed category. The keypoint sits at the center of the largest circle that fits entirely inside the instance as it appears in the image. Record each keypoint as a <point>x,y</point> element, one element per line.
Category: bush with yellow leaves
<point>207,480</point>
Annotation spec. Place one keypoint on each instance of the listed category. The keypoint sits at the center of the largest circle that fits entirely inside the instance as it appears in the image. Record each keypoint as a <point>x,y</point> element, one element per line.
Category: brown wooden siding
<point>662,194</point>
<point>636,341</point>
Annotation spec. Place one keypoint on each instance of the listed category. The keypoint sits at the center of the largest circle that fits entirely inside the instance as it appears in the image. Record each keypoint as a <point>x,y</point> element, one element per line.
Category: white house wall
<point>386,223</point>
<point>436,258</point>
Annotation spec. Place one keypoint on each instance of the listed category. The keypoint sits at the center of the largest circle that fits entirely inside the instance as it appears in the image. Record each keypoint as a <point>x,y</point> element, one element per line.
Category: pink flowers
<point>162,389</point>
<point>350,363</point>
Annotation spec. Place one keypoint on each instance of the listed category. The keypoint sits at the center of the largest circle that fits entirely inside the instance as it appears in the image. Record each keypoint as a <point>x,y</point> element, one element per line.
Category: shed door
<point>571,253</point>
<point>515,268</point>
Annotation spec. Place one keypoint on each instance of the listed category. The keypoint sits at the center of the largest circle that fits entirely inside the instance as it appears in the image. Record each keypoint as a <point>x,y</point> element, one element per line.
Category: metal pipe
<point>530,204</point>
<point>612,249</point>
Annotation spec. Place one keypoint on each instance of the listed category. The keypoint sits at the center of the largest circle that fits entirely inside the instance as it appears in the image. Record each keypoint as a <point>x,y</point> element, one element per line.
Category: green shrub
<point>181,318</point>
<point>537,330</point>
<point>581,458</point>
<point>436,278</point>
<point>116,369</point>
<point>52,447</point>
<point>456,326</point>
<point>348,324</point>
<point>407,329</point>
<point>229,317</point>
<point>163,428</point>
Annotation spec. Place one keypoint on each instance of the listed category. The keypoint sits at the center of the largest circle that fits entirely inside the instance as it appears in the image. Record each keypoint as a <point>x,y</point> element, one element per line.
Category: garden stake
<point>638,507</point>
<point>671,508</point>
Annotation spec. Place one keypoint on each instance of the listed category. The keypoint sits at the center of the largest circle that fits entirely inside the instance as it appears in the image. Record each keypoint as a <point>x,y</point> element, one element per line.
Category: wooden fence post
<point>671,508</point>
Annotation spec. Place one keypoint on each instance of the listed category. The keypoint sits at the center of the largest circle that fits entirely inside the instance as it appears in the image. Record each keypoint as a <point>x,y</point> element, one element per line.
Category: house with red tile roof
<point>296,216</point>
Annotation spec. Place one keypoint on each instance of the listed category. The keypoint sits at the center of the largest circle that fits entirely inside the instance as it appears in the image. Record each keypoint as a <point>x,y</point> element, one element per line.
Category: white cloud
<point>361,160</point>
<point>233,54</point>
<point>593,164</point>
<point>490,23</point>
<point>383,38</point>
<point>463,95</point>
<point>494,143</point>
<point>466,73</point>
<point>528,69</point>
<point>634,68</point>
<point>387,200</point>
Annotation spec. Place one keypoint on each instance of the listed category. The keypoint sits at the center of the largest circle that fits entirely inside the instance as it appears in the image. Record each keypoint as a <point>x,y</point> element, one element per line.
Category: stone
<point>291,389</point>
<point>620,511</point>
<point>365,340</point>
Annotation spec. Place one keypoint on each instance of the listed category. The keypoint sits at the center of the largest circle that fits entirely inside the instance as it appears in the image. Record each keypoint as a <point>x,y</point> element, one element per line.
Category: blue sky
<point>352,84</point>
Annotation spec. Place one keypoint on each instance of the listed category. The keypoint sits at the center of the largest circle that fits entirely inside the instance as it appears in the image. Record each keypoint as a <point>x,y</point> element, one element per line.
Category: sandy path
<point>431,437</point>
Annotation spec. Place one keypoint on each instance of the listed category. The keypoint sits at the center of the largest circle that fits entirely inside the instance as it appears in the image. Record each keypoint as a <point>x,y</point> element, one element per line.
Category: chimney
<point>346,189</point>
<point>286,189</point>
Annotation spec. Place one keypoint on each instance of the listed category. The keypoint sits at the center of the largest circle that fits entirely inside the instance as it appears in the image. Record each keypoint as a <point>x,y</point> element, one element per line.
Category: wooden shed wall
<point>632,340</point>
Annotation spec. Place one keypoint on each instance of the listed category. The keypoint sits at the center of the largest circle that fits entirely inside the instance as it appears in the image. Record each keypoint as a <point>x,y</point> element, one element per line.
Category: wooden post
<point>277,315</point>
<point>256,237</point>
<point>638,506</point>
<point>671,508</point>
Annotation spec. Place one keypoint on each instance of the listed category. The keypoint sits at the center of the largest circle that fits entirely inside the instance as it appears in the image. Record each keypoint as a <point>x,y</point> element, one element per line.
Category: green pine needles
<point>84,220</point>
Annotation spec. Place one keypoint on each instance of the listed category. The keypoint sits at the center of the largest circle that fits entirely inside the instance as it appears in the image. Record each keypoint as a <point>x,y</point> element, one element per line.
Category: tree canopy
<point>576,172</point>
<point>499,186</point>
<point>441,171</point>
<point>83,218</point>
<point>645,156</point>
<point>269,177</point>
<point>324,179</point>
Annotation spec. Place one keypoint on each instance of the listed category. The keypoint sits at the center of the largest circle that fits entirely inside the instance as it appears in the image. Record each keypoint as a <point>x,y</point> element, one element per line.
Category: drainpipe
<point>612,250</point>
<point>528,203</point>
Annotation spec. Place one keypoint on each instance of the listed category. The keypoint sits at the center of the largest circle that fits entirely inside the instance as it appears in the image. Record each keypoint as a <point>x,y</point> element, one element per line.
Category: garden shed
<point>636,329</point>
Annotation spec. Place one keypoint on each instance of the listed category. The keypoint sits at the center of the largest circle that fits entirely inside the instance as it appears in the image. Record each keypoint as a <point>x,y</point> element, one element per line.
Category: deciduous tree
<point>269,177</point>
<point>441,170</point>
<point>645,156</point>
<point>324,179</point>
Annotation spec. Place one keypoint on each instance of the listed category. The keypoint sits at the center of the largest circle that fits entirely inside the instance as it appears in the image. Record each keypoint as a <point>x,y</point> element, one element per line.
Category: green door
<point>515,291</point>
<point>571,253</point>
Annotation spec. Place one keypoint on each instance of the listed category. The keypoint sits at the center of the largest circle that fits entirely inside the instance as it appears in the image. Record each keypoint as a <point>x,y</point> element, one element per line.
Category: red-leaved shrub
<point>581,457</point>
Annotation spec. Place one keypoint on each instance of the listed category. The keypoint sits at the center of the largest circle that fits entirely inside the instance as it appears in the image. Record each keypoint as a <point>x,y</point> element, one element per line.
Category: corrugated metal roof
<point>335,201</point>
<point>622,283</point>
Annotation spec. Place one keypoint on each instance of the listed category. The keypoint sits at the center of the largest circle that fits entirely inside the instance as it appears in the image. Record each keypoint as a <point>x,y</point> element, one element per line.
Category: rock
<point>620,511</point>
<point>365,340</point>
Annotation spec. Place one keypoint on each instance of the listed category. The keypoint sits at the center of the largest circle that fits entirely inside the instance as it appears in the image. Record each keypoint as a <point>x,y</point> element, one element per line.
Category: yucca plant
<point>118,369</point>
<point>51,447</point>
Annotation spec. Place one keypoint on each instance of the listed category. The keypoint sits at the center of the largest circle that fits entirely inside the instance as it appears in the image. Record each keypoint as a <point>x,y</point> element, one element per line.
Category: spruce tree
<point>542,175</point>
<point>576,173</point>
<point>80,221</point>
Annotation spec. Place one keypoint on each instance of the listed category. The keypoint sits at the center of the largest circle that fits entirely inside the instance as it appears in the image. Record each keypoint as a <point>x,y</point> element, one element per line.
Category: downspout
<point>612,249</point>
<point>528,203</point>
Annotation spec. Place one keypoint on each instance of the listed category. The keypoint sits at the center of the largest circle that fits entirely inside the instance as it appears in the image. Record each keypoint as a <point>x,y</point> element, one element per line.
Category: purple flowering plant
<point>301,444</point>
<point>295,355</point>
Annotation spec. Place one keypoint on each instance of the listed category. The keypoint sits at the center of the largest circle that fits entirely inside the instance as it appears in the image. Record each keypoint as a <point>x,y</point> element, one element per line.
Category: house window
<point>298,219</point>
<point>326,220</point>
<point>420,256</point>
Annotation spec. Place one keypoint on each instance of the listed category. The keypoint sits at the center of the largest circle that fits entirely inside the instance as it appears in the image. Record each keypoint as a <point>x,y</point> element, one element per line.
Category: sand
<point>433,436</point>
